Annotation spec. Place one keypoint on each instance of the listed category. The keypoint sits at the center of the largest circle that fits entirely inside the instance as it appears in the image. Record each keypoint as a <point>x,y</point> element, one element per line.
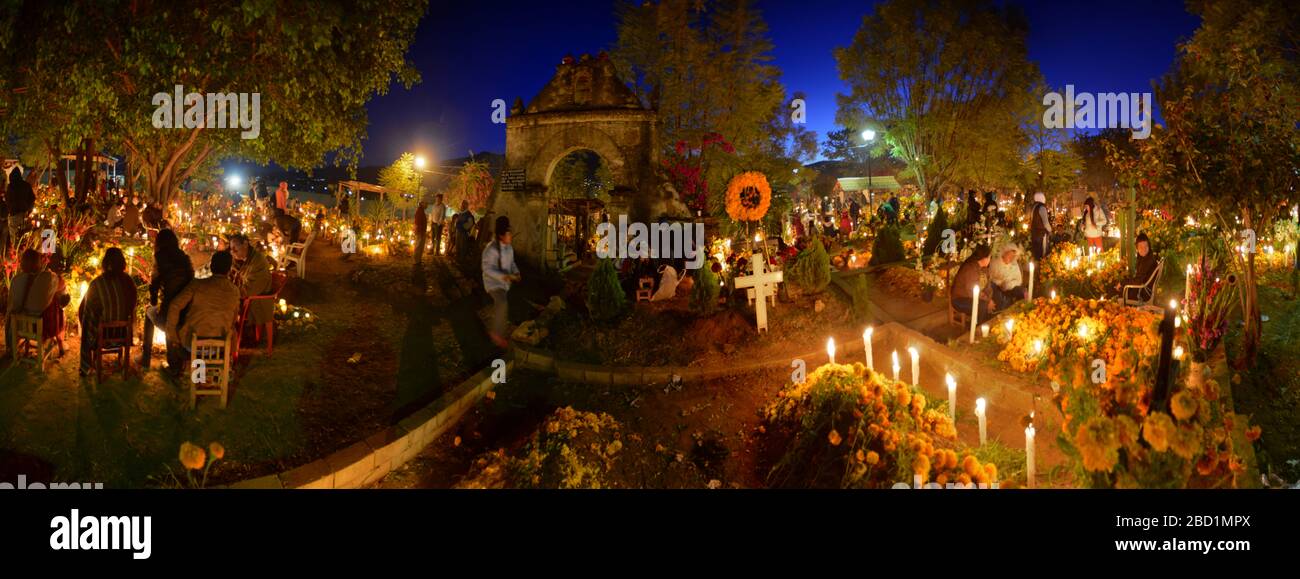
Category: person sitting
<point>115,215</point>
<point>1005,277</point>
<point>252,277</point>
<point>287,226</point>
<point>1147,260</point>
<point>110,297</point>
<point>35,291</point>
<point>968,275</point>
<point>172,271</point>
<point>204,308</point>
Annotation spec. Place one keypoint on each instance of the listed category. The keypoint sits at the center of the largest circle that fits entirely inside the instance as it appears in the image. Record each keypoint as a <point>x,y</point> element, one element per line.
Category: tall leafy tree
<point>403,182</point>
<point>313,64</point>
<point>935,77</point>
<point>705,65</point>
<point>1230,144</point>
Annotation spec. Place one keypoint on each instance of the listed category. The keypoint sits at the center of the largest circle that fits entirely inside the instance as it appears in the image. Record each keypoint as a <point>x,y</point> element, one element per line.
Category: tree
<point>1096,173</point>
<point>403,181</point>
<point>1229,148</point>
<point>582,175</point>
<point>705,65</point>
<point>605,298</point>
<point>473,183</point>
<point>935,76</point>
<point>313,66</point>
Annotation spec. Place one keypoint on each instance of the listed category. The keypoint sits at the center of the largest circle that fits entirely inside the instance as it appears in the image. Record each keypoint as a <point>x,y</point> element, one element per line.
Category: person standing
<point>437,217</point>
<point>421,229</point>
<point>172,271</point>
<point>464,226</point>
<point>1094,223</point>
<point>499,271</point>
<point>282,196</point>
<point>1040,227</point>
<point>20,200</point>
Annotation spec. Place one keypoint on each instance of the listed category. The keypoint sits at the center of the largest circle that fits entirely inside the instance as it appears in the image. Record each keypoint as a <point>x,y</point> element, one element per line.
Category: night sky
<point>473,52</point>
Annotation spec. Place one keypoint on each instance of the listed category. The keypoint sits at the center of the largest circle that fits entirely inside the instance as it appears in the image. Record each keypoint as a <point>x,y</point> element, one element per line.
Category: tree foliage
<point>605,298</point>
<point>943,82</point>
<point>84,75</point>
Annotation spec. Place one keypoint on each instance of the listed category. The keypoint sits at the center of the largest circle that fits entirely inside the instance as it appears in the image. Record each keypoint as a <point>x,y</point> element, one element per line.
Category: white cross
<point>763,283</point>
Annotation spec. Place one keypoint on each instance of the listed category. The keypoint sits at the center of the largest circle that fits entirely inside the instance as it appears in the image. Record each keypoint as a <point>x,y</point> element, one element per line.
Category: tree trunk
<point>1251,332</point>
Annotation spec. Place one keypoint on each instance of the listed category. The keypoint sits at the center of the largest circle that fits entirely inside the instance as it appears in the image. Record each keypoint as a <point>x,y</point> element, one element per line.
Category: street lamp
<point>419,162</point>
<point>868,136</point>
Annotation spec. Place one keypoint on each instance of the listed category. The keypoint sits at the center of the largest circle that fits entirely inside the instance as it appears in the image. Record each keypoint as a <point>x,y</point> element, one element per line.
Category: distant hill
<point>322,179</point>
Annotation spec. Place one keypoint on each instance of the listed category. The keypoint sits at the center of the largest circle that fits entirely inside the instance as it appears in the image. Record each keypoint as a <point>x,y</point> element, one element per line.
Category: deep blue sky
<point>473,52</point>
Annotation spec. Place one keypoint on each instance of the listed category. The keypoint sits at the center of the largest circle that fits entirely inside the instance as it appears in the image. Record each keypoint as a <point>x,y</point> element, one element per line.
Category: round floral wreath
<point>748,196</point>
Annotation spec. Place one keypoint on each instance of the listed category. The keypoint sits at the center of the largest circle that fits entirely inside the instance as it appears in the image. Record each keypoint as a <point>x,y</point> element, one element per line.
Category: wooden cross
<point>764,284</point>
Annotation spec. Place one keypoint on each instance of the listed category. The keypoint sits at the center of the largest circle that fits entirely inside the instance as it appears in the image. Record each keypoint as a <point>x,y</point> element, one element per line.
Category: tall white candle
<point>974,310</point>
<point>952,396</point>
<point>916,366</point>
<point>1187,288</point>
<point>896,366</point>
<point>979,413</point>
<point>1029,454</point>
<point>866,339</point>
<point>830,349</point>
<point>1031,281</point>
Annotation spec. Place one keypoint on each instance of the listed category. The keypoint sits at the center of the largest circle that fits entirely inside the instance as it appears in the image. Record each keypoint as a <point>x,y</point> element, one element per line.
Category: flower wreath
<point>748,196</point>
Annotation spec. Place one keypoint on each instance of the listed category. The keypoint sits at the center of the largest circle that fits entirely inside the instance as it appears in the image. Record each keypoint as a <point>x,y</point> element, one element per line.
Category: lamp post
<point>868,136</point>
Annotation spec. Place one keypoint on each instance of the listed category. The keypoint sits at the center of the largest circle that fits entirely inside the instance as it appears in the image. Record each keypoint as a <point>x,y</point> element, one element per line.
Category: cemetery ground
<point>319,391</point>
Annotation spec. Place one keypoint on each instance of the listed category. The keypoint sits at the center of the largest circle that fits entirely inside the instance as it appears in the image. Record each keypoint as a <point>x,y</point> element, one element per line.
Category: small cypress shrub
<point>934,232</point>
<point>811,269</point>
<point>704,294</point>
<point>888,247</point>
<point>605,298</point>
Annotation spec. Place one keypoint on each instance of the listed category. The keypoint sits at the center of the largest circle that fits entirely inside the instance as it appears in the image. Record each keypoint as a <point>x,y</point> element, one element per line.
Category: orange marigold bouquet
<point>1072,270</point>
<point>850,427</point>
<point>1114,433</point>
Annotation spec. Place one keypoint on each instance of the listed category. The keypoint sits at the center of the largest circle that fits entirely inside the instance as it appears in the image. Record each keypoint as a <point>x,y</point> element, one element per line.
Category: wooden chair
<point>113,338</point>
<point>29,335</point>
<point>278,280</point>
<point>1149,285</point>
<point>956,317</point>
<point>297,255</point>
<point>216,356</point>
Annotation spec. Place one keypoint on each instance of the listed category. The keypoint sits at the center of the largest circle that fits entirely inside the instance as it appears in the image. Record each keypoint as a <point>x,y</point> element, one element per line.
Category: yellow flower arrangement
<point>748,196</point>
<point>855,428</point>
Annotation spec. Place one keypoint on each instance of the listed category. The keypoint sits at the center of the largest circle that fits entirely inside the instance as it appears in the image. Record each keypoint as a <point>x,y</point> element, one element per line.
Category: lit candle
<point>1187,288</point>
<point>952,395</point>
<point>896,366</point>
<point>1031,281</point>
<point>1029,454</point>
<point>830,349</point>
<point>974,310</point>
<point>984,330</point>
<point>1053,295</point>
<point>916,366</point>
<point>979,413</point>
<point>866,339</point>
<point>1010,324</point>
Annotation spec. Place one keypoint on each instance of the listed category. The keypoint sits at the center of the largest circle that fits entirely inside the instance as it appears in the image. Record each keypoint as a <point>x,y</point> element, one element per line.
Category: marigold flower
<point>217,451</point>
<point>872,457</point>
<point>834,437</point>
<point>971,465</point>
<point>1252,433</point>
<point>1157,430</point>
<point>192,456</point>
<point>921,466</point>
<point>1183,405</point>
<point>1098,444</point>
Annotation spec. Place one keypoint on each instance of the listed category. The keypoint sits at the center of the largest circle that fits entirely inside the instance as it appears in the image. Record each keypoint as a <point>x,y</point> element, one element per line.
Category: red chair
<point>278,280</point>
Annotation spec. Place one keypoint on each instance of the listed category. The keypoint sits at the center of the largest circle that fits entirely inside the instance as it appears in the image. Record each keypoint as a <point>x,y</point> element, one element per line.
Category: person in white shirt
<point>437,217</point>
<point>1094,223</point>
<point>499,271</point>
<point>1005,276</point>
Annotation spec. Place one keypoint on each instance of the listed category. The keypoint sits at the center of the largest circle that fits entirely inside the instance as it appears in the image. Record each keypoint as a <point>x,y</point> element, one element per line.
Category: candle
<point>952,395</point>
<point>830,349</point>
<point>974,310</point>
<point>1187,288</point>
<point>984,330</point>
<point>916,367</point>
<point>896,366</point>
<point>1010,324</point>
<point>1053,295</point>
<point>1029,454</point>
<point>979,413</point>
<point>866,340</point>
<point>1031,281</point>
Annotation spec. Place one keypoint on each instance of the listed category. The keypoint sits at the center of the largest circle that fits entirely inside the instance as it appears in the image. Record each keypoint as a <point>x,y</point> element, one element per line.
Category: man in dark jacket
<point>20,200</point>
<point>1040,227</point>
<point>968,276</point>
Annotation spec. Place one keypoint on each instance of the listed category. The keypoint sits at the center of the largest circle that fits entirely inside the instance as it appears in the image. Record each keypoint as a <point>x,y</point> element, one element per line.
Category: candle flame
<point>952,382</point>
<point>830,349</point>
<point>979,405</point>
